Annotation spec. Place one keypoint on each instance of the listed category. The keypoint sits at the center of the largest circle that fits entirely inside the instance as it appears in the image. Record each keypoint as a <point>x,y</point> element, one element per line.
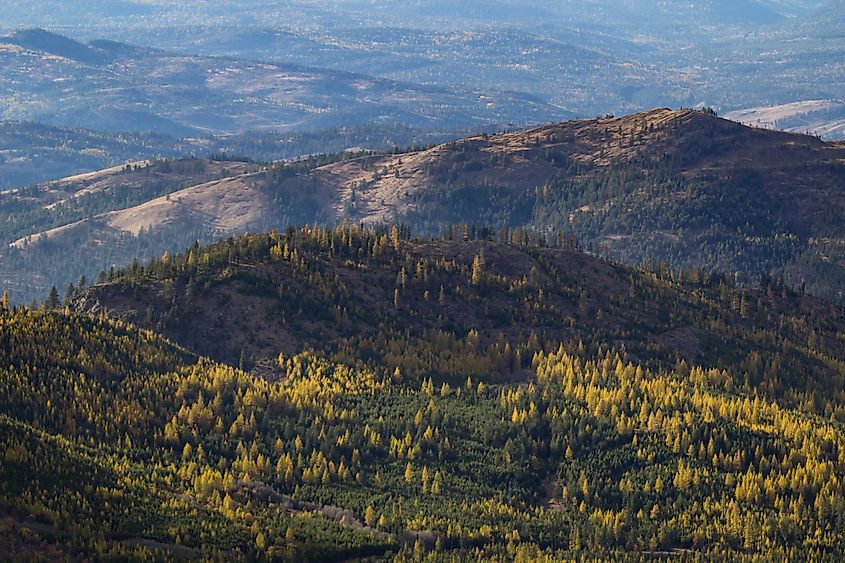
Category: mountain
<point>113,87</point>
<point>560,71</point>
<point>34,152</point>
<point>334,282</point>
<point>587,57</point>
<point>684,187</point>
<point>455,399</point>
<point>42,41</point>
<point>68,495</point>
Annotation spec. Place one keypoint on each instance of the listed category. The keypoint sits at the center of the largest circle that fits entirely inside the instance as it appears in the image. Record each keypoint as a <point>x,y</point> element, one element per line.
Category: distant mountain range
<point>114,87</point>
<point>427,64</point>
<point>366,281</point>
<point>32,152</point>
<point>694,13</point>
<point>587,57</point>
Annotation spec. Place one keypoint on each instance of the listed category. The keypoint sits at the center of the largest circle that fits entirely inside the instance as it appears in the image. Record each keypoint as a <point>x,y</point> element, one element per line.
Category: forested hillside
<point>422,281</point>
<point>414,420</point>
<point>683,187</point>
<point>481,301</point>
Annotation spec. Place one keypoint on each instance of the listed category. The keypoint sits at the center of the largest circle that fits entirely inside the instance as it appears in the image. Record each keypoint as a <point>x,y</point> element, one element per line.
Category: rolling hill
<point>324,284</point>
<point>449,399</point>
<point>113,87</point>
<point>589,57</point>
<point>346,291</point>
<point>825,118</point>
<point>684,187</point>
<point>34,153</point>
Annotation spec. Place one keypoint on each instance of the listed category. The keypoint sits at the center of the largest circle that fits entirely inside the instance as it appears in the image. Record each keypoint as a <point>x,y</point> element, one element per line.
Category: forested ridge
<point>683,187</point>
<point>579,436</point>
<point>477,300</point>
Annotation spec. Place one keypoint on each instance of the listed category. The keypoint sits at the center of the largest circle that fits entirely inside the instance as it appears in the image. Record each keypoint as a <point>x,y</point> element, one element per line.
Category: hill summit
<point>685,187</point>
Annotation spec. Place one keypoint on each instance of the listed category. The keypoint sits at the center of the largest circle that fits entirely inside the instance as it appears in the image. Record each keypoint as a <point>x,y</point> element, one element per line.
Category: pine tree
<point>394,238</point>
<point>370,516</point>
<point>52,299</point>
<point>437,483</point>
<point>478,268</point>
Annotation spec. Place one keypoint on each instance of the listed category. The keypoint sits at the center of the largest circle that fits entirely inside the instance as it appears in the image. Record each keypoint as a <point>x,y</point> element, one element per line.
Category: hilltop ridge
<point>682,186</point>
<point>345,291</point>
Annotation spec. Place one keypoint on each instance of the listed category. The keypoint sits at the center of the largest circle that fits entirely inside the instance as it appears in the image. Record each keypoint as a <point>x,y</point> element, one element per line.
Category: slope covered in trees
<point>683,187</point>
<point>94,463</point>
<point>412,441</point>
<point>478,303</point>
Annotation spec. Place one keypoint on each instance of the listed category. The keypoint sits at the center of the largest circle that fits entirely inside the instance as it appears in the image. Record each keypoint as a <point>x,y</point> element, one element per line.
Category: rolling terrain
<point>482,400</point>
<point>589,57</point>
<point>683,187</point>
<point>364,282</point>
<point>825,118</point>
<point>345,292</point>
<point>113,87</point>
<point>34,153</point>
